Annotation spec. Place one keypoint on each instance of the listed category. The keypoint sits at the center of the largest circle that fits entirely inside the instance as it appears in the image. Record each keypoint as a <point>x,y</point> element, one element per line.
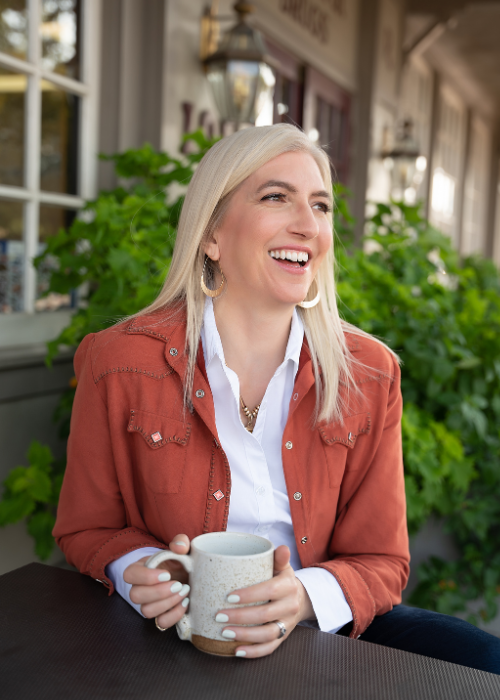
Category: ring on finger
<point>282,628</point>
<point>162,629</point>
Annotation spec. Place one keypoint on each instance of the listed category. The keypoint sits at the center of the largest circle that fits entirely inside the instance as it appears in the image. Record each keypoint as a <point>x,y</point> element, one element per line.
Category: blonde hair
<point>226,165</point>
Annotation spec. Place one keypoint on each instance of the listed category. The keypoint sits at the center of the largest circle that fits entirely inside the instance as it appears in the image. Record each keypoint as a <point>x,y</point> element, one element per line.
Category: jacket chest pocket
<point>338,442</point>
<point>160,449</point>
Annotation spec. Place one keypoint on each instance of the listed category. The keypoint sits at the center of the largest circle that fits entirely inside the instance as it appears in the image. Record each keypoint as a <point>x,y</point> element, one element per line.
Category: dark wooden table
<point>61,636</point>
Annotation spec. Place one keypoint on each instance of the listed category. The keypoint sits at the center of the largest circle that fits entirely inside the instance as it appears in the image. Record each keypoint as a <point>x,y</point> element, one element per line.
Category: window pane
<point>12,93</point>
<point>14,27</point>
<point>52,219</point>
<point>59,140</point>
<point>11,256</point>
<point>60,34</point>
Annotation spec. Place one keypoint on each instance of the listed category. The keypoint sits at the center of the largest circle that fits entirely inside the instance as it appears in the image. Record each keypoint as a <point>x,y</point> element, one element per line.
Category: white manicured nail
<point>185,602</point>
<point>241,653</point>
<point>229,634</point>
<point>220,617</point>
<point>180,544</point>
<point>233,598</point>
<point>165,576</point>
<point>176,587</point>
<point>185,589</point>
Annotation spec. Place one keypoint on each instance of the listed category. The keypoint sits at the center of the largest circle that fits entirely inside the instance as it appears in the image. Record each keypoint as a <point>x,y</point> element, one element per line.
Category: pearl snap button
<point>295,397</point>
<point>288,445</point>
<point>297,495</point>
<point>303,540</point>
<point>200,394</point>
<point>174,352</point>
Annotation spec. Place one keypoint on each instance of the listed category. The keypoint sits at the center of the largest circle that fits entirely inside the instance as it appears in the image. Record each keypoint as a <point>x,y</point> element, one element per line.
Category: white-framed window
<point>448,163</point>
<point>49,65</point>
<point>476,189</point>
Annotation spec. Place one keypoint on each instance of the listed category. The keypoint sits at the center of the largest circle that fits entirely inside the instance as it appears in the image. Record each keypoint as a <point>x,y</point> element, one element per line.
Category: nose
<point>303,222</point>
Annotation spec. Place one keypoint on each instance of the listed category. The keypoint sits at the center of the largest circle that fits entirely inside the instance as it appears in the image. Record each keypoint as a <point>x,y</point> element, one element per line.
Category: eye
<point>274,197</point>
<point>325,208</point>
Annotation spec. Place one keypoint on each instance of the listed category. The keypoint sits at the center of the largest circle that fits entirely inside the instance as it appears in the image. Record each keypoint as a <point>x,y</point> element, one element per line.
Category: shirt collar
<point>212,344</point>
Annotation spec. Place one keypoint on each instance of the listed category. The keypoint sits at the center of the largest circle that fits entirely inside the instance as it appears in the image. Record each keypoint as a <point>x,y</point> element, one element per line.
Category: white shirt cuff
<point>327,598</point>
<point>115,569</point>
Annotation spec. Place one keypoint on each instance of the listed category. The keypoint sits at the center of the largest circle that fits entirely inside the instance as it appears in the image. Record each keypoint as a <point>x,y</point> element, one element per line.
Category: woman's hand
<point>161,592</point>
<point>288,602</point>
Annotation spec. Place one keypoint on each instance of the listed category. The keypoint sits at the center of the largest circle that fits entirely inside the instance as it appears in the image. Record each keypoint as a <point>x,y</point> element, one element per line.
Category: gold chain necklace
<point>251,415</point>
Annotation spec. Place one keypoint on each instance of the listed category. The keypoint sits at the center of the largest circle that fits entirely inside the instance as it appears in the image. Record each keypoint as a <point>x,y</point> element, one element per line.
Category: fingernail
<point>165,576</point>
<point>185,589</point>
<point>180,544</point>
<point>185,602</point>
<point>229,634</point>
<point>176,587</point>
<point>233,598</point>
<point>220,617</point>
<point>241,653</point>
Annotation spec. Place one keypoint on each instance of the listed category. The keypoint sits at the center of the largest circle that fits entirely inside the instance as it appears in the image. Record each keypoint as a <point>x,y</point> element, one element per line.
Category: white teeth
<point>291,255</point>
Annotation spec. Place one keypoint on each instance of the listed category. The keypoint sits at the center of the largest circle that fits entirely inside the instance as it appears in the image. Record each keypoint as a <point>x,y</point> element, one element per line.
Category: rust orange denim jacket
<point>143,468</point>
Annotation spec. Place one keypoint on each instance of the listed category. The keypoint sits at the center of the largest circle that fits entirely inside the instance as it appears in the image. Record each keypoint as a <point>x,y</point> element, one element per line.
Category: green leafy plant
<point>406,286</point>
<point>442,316</point>
<point>32,493</point>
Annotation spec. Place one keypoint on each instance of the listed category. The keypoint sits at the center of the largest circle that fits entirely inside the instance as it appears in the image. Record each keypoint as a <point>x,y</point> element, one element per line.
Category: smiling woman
<point>240,401</point>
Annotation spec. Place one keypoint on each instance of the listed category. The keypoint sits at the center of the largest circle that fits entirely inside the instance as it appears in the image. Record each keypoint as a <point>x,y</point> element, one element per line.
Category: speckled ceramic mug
<point>219,563</point>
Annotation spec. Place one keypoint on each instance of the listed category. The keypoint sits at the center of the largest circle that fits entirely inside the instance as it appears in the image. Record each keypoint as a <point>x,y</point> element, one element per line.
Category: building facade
<point>79,77</point>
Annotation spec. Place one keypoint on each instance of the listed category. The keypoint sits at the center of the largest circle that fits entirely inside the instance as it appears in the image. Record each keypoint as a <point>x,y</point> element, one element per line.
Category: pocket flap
<point>158,430</point>
<point>347,433</point>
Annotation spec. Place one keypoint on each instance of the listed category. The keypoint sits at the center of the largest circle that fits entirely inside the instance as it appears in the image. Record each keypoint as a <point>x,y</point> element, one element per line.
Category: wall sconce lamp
<point>237,65</point>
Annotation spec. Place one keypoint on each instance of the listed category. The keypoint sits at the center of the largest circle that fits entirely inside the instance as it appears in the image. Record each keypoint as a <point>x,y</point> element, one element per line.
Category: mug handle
<point>184,624</point>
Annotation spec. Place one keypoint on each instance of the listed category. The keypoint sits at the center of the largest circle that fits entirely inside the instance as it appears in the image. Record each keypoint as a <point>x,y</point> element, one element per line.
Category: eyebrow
<point>290,188</point>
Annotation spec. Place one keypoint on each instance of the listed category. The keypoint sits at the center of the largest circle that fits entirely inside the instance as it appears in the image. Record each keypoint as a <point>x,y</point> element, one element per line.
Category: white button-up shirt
<point>259,499</point>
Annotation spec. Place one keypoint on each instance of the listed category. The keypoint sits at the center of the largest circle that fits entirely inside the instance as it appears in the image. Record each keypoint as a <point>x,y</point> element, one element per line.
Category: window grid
<point>450,145</point>
<point>476,191</point>
<point>30,193</point>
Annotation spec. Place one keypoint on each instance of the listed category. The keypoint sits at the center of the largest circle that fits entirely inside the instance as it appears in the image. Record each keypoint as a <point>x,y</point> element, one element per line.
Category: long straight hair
<point>224,167</point>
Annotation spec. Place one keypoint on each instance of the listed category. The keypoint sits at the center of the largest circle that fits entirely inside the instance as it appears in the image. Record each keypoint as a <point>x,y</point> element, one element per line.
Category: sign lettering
<point>310,16</point>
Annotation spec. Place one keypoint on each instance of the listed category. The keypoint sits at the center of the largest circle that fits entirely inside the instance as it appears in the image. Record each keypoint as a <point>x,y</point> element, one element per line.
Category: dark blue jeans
<point>438,636</point>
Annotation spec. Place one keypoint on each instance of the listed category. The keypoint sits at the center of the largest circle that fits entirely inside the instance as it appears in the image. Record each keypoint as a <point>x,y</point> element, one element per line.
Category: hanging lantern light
<point>406,163</point>
<point>239,71</point>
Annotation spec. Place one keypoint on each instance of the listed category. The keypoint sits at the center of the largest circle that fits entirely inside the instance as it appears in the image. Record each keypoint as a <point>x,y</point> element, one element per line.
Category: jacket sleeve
<point>91,525</point>
<point>370,538</point>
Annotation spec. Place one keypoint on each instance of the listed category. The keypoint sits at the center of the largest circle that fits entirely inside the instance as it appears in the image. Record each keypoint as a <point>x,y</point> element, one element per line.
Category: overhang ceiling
<point>462,41</point>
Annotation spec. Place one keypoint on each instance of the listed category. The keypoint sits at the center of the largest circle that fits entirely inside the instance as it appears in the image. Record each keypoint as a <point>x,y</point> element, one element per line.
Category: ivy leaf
<point>14,508</point>
<point>40,455</point>
<point>39,484</point>
<point>40,527</point>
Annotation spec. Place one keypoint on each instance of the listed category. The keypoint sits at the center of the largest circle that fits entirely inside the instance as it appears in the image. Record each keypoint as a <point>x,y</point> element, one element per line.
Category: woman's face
<point>275,233</point>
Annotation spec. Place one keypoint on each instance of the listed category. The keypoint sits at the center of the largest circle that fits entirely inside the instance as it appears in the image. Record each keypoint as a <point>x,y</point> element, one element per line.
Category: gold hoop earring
<point>212,292</point>
<point>309,304</point>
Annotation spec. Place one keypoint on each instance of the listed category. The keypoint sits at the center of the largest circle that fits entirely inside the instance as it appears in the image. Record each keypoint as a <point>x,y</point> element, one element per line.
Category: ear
<point>212,248</point>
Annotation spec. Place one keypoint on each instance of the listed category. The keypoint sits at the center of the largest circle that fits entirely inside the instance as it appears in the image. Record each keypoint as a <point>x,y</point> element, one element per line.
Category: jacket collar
<point>169,326</point>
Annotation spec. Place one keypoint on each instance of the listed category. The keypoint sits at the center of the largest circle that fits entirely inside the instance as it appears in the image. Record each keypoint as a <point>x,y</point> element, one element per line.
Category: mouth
<point>294,259</point>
